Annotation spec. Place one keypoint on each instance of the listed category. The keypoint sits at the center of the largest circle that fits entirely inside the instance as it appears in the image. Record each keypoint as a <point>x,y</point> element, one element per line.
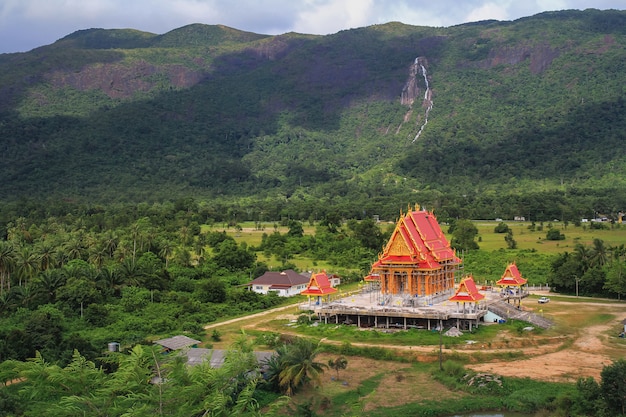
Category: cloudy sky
<point>27,24</point>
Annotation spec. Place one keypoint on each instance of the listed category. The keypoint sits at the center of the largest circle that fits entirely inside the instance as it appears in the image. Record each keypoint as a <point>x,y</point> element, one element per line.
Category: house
<point>285,283</point>
<point>334,280</point>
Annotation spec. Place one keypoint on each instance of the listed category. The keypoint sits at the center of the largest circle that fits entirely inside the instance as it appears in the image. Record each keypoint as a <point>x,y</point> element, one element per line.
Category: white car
<point>543,300</point>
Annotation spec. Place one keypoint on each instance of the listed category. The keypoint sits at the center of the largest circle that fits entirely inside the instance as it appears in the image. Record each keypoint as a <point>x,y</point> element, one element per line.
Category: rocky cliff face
<point>123,81</point>
<point>540,57</point>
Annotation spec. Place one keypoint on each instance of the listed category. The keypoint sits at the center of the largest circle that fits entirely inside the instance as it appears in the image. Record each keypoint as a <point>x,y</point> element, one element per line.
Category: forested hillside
<point>523,118</point>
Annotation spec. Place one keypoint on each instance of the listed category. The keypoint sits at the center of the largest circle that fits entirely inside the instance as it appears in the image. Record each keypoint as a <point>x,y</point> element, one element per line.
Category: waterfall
<point>427,99</point>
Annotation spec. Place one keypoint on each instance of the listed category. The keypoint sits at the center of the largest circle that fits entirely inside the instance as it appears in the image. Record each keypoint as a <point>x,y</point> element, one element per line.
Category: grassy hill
<point>527,117</point>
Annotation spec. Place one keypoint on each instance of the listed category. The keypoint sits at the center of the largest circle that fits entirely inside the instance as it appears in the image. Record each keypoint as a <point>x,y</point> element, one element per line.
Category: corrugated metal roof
<point>177,342</point>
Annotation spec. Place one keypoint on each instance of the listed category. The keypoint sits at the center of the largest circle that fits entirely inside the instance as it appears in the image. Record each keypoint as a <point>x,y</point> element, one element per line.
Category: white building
<point>285,283</point>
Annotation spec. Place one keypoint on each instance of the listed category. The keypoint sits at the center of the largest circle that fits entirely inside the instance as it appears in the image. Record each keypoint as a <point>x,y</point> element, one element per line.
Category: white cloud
<point>488,11</point>
<point>26,24</point>
<point>324,17</point>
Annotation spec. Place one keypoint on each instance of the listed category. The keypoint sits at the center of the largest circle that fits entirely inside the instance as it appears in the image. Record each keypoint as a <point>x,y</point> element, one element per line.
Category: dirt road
<point>552,358</point>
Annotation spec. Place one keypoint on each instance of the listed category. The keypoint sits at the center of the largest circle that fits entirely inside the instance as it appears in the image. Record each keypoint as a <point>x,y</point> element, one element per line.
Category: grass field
<point>527,239</point>
<point>487,239</point>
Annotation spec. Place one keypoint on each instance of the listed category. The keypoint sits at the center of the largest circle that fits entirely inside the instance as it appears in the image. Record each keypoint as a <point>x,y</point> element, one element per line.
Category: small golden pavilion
<point>467,293</point>
<point>417,260</point>
<point>319,286</point>
<point>513,284</point>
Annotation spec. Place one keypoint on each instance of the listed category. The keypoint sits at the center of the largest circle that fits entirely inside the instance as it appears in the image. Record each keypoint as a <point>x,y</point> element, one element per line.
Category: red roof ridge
<point>511,276</point>
<point>319,284</point>
<point>467,291</point>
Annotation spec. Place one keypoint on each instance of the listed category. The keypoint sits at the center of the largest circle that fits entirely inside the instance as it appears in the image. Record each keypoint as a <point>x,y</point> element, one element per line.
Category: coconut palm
<point>26,264</point>
<point>110,281</point>
<point>46,254</point>
<point>300,367</point>
<point>48,282</point>
<point>167,250</point>
<point>599,253</point>
<point>7,265</point>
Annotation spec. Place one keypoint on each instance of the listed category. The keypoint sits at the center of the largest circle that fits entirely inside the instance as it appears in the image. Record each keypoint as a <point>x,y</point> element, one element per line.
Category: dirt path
<point>587,354</point>
<point>251,316</point>
<point>559,359</point>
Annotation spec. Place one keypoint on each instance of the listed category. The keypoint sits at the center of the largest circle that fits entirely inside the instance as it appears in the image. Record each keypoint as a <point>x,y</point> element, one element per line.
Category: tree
<point>300,367</point>
<point>367,233</point>
<point>554,234</point>
<point>599,253</point>
<point>295,229</point>
<point>463,234</point>
<point>616,278</point>
<point>613,386</point>
<point>26,264</point>
<point>510,242</point>
<point>7,265</point>
<point>587,396</point>
<point>564,270</point>
<point>233,257</point>
<point>48,282</point>
<point>338,364</point>
<point>212,290</point>
<point>502,227</point>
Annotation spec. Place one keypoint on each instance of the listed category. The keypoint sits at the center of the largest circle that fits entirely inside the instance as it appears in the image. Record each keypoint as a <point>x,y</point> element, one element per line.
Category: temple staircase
<point>510,312</point>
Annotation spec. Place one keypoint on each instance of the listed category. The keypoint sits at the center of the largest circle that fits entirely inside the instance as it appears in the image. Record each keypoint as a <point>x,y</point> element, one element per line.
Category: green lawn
<point>527,239</point>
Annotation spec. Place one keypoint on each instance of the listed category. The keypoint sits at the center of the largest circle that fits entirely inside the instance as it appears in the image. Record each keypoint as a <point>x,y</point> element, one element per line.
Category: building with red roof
<point>511,277</point>
<point>285,283</point>
<point>467,293</point>
<point>513,285</point>
<point>319,286</point>
<point>417,259</point>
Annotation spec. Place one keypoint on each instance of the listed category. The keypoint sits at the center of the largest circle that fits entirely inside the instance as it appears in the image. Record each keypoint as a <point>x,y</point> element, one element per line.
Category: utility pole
<point>440,344</point>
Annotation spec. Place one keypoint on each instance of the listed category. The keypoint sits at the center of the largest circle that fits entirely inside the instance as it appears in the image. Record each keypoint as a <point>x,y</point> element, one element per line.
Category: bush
<point>554,234</point>
<point>453,368</point>
<point>502,228</point>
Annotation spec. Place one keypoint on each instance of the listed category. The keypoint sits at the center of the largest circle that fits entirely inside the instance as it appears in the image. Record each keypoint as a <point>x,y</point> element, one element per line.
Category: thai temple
<point>417,260</point>
<point>416,283</point>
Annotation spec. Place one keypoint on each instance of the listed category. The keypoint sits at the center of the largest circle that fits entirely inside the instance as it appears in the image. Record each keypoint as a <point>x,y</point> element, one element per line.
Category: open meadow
<point>397,369</point>
<point>488,240</point>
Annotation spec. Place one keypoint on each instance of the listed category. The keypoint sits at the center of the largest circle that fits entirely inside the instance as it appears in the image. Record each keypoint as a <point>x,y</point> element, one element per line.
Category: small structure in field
<point>467,293</point>
<point>177,343</point>
<point>514,286</point>
<point>319,287</point>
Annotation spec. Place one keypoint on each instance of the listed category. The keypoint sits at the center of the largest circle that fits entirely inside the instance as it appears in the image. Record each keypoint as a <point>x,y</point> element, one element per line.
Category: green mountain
<point>504,117</point>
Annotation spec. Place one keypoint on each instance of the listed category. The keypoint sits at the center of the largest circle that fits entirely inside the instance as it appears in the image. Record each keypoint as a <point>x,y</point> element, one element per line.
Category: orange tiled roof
<point>467,291</point>
<point>319,284</point>
<point>418,239</point>
<point>511,277</point>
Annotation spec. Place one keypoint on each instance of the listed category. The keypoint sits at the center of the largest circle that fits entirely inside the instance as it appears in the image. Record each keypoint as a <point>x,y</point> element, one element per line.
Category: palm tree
<point>26,264</point>
<point>300,367</point>
<point>583,253</point>
<point>599,253</point>
<point>110,243</point>
<point>46,254</point>
<point>74,248</point>
<point>98,254</point>
<point>7,265</point>
<point>48,282</point>
<point>167,250</point>
<point>110,281</point>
